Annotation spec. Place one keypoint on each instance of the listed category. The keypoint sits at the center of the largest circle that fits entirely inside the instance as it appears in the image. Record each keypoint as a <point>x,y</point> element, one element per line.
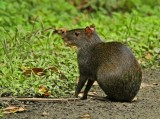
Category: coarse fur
<point>111,64</point>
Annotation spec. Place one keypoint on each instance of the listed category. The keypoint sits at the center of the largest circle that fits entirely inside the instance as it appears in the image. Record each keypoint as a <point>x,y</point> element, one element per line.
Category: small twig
<point>39,99</point>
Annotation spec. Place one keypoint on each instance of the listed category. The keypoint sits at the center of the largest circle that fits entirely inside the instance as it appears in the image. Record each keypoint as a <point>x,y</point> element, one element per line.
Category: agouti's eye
<point>77,33</point>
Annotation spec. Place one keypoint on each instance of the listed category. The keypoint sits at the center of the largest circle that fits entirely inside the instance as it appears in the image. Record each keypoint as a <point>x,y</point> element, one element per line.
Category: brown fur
<point>111,64</point>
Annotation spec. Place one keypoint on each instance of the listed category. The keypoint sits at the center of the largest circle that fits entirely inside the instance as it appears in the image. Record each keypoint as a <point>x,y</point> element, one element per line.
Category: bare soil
<point>146,106</point>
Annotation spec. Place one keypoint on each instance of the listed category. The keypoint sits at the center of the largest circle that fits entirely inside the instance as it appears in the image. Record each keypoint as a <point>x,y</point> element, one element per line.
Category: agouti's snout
<point>60,31</point>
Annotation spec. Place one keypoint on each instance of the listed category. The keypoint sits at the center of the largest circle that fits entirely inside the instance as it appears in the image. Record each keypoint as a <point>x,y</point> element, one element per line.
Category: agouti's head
<point>80,37</point>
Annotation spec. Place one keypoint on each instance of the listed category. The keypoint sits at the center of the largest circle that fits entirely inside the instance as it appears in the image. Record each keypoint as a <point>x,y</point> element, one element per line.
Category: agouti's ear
<point>89,29</point>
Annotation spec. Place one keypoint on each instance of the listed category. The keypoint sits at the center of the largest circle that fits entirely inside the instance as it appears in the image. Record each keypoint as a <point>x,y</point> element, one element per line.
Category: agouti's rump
<point>118,73</point>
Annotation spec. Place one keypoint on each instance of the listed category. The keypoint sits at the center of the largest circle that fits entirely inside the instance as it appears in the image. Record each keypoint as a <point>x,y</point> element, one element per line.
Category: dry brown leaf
<point>155,83</point>
<point>40,71</point>
<point>45,114</point>
<point>92,93</point>
<point>143,85</point>
<point>135,99</point>
<point>36,71</point>
<point>12,109</point>
<point>148,56</point>
<point>43,91</point>
<point>85,116</point>
<point>55,69</point>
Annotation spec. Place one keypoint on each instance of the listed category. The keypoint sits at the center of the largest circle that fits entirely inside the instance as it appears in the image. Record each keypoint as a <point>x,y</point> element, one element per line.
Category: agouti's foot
<point>83,98</point>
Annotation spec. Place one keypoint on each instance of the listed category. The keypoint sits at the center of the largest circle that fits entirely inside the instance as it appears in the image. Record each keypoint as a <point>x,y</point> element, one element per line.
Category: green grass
<point>23,44</point>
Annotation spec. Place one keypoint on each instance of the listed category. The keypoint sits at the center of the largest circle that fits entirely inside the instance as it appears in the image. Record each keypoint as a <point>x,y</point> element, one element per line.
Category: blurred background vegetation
<point>35,62</point>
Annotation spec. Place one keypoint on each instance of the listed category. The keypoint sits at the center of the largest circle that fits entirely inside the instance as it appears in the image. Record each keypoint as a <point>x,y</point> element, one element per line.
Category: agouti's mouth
<point>67,42</point>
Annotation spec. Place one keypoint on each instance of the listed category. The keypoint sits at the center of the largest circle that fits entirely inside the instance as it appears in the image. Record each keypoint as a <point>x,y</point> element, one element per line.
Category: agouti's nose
<point>60,31</point>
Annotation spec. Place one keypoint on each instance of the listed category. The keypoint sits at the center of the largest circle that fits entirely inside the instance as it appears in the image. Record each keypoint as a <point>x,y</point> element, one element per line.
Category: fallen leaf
<point>135,99</point>
<point>40,71</point>
<point>148,56</point>
<point>36,71</point>
<point>52,68</point>
<point>92,93</point>
<point>43,91</point>
<point>45,114</point>
<point>155,83</point>
<point>85,116</point>
<point>143,85</point>
<point>12,109</point>
<point>55,69</point>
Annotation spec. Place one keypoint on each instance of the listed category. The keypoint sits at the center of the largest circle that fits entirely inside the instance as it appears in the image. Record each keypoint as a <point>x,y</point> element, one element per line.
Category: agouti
<point>111,64</point>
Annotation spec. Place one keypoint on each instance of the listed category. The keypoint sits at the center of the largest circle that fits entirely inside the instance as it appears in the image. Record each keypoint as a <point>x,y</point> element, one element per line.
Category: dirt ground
<point>147,105</point>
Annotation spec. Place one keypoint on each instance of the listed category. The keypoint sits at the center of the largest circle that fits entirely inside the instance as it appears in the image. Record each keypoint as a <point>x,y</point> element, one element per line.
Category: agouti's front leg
<point>81,82</point>
<point>88,87</point>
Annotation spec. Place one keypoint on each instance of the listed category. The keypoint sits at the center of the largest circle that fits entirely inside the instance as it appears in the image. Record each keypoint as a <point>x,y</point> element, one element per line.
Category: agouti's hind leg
<point>88,87</point>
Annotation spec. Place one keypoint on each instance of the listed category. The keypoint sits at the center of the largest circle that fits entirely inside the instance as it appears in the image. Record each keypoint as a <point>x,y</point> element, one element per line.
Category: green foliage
<point>1,115</point>
<point>23,42</point>
<point>109,6</point>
